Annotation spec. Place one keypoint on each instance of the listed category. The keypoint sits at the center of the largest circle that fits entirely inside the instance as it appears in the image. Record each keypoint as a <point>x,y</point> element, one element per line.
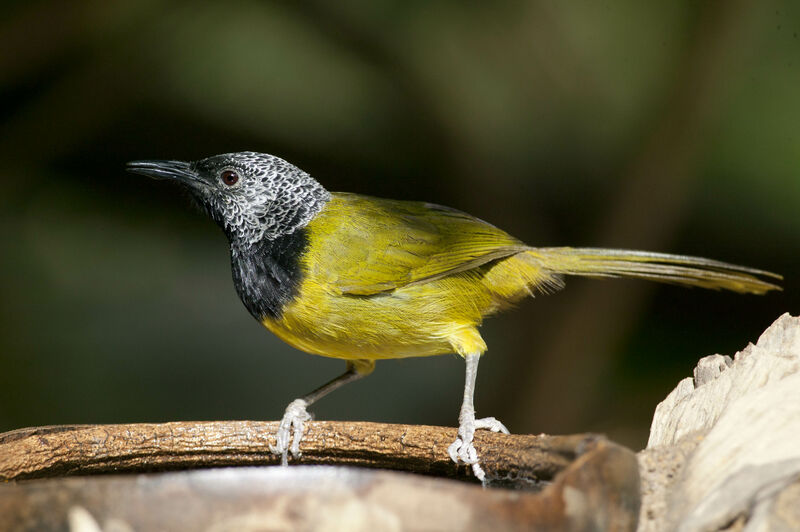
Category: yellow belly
<point>412,321</point>
<point>432,318</point>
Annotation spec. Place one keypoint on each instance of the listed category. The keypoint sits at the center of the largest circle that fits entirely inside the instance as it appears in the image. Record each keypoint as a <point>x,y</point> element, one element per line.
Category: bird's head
<point>252,196</point>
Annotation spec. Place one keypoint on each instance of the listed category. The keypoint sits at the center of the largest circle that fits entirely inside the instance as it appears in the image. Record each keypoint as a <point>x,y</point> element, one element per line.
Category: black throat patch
<point>267,275</point>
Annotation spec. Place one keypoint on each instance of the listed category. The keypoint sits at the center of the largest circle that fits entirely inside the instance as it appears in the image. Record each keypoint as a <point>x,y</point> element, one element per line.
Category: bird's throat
<point>268,274</point>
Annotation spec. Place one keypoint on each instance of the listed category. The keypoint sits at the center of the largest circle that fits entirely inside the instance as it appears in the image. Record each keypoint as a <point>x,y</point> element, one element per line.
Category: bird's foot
<point>463,449</point>
<point>291,428</point>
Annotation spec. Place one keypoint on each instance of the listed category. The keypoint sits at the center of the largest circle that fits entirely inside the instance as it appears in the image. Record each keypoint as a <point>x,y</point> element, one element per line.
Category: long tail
<point>662,267</point>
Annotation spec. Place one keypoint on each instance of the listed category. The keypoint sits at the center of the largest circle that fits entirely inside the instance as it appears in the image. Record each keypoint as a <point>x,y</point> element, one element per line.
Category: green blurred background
<point>667,126</point>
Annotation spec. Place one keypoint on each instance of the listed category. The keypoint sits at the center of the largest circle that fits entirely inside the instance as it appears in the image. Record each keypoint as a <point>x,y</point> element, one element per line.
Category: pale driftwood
<point>584,482</point>
<point>725,446</point>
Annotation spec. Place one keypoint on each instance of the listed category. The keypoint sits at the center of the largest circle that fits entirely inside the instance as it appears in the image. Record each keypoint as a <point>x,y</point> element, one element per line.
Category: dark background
<point>667,126</point>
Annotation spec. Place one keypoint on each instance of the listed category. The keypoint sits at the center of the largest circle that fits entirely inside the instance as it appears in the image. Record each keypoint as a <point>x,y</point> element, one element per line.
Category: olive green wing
<point>362,246</point>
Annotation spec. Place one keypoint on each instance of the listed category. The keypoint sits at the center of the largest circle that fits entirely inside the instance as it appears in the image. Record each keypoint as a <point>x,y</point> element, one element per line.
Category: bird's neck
<point>266,248</point>
<point>267,274</point>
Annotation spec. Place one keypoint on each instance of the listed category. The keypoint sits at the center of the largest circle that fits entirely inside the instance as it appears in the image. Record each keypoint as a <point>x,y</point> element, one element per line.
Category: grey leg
<point>463,449</point>
<point>295,416</point>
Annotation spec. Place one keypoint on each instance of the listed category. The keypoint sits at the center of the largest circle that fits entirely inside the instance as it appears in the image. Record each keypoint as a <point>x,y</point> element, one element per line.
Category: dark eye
<point>229,177</point>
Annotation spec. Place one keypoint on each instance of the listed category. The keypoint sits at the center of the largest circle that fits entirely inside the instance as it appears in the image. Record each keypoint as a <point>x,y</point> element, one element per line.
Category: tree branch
<point>583,482</point>
<point>87,449</point>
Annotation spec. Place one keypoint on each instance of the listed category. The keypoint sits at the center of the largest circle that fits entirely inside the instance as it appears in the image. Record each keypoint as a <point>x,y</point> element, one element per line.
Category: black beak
<point>174,170</point>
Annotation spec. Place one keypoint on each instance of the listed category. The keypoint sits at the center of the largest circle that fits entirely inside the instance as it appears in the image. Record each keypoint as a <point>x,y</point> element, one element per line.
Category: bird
<point>364,279</point>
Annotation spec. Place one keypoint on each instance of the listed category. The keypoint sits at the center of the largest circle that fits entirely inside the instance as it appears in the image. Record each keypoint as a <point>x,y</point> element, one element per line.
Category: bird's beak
<point>175,170</point>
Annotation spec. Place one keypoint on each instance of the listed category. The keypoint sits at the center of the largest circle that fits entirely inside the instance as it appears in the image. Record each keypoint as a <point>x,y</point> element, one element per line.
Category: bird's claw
<point>463,449</point>
<point>291,428</point>
<point>492,424</point>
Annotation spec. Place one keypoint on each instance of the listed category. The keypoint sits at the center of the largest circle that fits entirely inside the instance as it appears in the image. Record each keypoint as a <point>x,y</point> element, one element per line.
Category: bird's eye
<point>229,177</point>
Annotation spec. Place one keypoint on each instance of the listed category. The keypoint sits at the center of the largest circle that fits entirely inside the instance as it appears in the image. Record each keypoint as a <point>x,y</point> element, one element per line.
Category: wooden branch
<point>585,482</point>
<point>86,449</point>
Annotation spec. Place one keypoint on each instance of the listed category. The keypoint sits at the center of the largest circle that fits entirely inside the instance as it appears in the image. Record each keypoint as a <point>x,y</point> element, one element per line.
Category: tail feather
<point>662,267</point>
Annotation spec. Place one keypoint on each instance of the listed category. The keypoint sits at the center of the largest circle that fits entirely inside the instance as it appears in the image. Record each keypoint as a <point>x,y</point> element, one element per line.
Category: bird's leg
<point>295,416</point>
<point>463,449</point>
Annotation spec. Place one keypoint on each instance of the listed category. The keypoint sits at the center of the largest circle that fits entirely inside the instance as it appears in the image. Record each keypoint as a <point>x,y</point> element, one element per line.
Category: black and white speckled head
<point>252,196</point>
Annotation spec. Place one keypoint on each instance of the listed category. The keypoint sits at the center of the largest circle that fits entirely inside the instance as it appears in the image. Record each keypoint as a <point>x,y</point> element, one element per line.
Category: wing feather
<point>364,246</point>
